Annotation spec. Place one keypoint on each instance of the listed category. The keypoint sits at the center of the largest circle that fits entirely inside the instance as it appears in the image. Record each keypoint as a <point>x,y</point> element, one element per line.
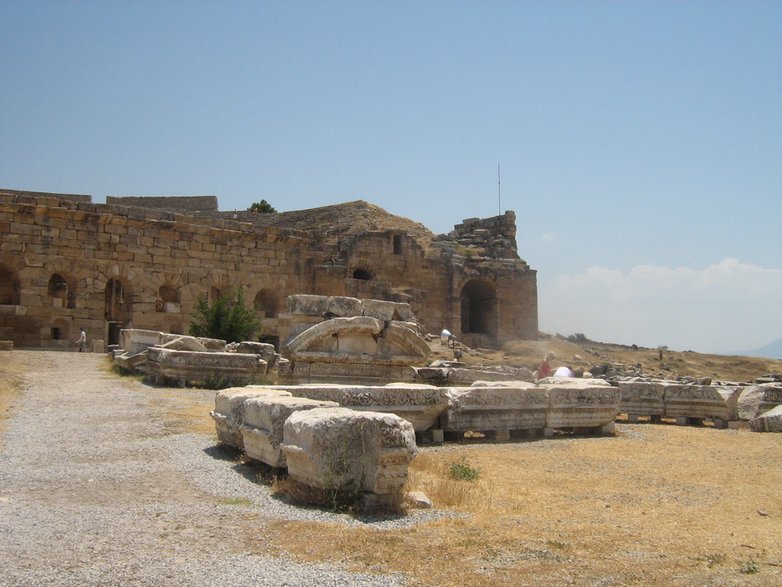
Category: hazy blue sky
<point>640,142</point>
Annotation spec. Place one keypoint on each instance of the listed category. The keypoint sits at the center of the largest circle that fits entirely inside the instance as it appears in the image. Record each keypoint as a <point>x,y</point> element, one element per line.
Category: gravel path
<point>95,489</point>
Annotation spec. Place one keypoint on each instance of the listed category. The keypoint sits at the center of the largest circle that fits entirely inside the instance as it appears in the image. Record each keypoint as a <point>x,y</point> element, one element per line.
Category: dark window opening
<point>56,335</point>
<point>397,244</point>
<point>363,274</point>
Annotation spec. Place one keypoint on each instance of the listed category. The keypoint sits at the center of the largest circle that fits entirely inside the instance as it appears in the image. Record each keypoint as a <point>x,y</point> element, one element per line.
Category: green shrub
<point>227,319</point>
<point>464,471</point>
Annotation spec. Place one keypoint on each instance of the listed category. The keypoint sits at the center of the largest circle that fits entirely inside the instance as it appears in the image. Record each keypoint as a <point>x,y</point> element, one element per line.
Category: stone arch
<point>61,290</point>
<point>168,299</point>
<point>10,288</point>
<point>266,301</point>
<point>479,307</point>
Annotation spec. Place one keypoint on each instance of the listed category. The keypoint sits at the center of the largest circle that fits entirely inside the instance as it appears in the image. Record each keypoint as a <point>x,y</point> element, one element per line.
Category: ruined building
<point>142,262</point>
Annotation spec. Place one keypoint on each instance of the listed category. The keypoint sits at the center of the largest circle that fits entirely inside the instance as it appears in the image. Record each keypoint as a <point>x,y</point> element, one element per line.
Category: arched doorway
<point>117,309</point>
<point>9,287</point>
<point>479,308</point>
<point>266,302</point>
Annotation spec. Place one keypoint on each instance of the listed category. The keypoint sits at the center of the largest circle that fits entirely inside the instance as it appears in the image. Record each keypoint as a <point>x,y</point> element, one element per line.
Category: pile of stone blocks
<point>321,444</point>
<point>687,403</point>
<point>181,360</point>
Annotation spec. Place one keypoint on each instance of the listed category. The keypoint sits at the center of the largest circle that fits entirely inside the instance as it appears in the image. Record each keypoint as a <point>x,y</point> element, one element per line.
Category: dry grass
<point>659,504</point>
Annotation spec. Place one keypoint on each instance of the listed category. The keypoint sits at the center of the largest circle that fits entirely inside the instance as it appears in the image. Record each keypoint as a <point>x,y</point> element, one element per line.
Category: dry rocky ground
<point>656,504</point>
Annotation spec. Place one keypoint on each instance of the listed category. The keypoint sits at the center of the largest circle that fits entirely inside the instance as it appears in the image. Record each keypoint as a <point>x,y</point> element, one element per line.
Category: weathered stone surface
<point>344,307</point>
<point>468,376</point>
<point>701,401</point>
<point>758,399</point>
<point>347,449</point>
<point>581,406</point>
<point>135,340</point>
<point>6,345</point>
<point>380,309</point>
<point>770,421</point>
<point>642,398</point>
<point>421,405</point>
<point>308,305</point>
<point>359,341</point>
<point>264,418</point>
<point>229,411</point>
<point>522,407</point>
<point>185,343</point>
<point>185,367</point>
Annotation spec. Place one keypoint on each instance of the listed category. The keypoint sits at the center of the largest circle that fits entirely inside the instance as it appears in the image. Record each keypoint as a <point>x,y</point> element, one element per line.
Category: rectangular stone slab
<point>642,398</point>
<point>581,406</point>
<point>496,408</point>
<point>229,411</point>
<point>701,401</point>
<point>264,418</point>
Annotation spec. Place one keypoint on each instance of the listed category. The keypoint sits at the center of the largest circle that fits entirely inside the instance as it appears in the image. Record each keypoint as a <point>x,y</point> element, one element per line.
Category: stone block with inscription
<point>521,407</point>
<point>264,418</point>
<point>339,448</point>
<point>581,406</point>
<point>701,401</point>
<point>642,398</point>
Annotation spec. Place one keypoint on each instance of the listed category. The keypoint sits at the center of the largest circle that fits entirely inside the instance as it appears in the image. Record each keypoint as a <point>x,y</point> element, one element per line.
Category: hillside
<point>646,361</point>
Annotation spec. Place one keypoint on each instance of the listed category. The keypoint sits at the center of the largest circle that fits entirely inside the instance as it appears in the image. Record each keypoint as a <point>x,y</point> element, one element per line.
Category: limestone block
<point>184,343</point>
<point>421,405</point>
<point>264,417</point>
<point>344,307</point>
<point>133,363</point>
<point>264,350</point>
<point>135,340</point>
<point>212,344</point>
<point>186,367</point>
<point>351,450</point>
<point>309,305</point>
<point>380,309</point>
<point>770,421</point>
<point>642,398</point>
<point>521,407</point>
<point>404,313</point>
<point>701,401</point>
<point>758,399</point>
<point>580,406</point>
<point>229,411</point>
<point>6,345</point>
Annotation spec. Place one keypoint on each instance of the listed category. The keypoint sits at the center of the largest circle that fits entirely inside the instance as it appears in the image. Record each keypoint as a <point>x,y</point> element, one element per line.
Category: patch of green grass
<point>243,501</point>
<point>749,567</point>
<point>463,471</point>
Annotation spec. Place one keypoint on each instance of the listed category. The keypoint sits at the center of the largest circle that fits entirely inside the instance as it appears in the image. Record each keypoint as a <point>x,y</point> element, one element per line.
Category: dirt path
<point>95,489</point>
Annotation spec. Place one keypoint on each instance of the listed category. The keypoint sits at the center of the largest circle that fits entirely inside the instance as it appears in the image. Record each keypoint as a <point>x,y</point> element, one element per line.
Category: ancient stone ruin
<point>142,263</point>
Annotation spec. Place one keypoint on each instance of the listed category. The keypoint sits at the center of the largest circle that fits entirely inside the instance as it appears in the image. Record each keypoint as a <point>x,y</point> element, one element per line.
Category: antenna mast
<point>499,193</point>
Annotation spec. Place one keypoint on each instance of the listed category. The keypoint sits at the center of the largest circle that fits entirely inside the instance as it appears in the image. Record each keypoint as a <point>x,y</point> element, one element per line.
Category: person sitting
<point>563,372</point>
<point>545,369</point>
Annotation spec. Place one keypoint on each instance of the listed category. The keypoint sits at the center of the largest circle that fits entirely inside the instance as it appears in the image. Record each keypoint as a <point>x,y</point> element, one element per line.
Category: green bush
<point>262,207</point>
<point>464,471</point>
<point>227,319</point>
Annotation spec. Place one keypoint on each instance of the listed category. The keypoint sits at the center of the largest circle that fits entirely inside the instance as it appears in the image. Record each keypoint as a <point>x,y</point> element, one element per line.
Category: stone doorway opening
<point>479,308</point>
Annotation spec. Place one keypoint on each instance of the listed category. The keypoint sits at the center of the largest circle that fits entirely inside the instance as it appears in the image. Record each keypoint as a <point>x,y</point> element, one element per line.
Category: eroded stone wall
<point>66,264</point>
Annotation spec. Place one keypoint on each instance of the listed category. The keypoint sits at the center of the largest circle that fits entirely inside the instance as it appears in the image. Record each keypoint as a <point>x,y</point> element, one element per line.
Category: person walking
<point>82,342</point>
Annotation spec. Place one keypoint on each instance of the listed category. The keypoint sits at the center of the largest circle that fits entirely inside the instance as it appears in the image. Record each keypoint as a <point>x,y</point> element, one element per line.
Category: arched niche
<point>266,301</point>
<point>9,287</point>
<point>168,299</point>
<point>479,307</point>
<point>61,291</point>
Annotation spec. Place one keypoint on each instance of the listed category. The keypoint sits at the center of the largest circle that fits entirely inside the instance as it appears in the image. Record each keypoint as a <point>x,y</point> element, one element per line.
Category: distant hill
<point>770,351</point>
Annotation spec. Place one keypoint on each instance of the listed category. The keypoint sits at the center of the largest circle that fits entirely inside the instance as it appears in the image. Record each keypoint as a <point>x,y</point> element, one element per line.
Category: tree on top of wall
<point>262,207</point>
<point>226,319</point>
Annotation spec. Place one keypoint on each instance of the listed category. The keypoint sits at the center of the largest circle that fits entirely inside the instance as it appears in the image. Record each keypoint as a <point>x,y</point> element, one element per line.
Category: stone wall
<point>66,263</point>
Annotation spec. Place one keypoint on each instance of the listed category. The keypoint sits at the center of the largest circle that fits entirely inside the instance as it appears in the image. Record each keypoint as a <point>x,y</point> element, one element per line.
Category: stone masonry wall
<point>67,264</point>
